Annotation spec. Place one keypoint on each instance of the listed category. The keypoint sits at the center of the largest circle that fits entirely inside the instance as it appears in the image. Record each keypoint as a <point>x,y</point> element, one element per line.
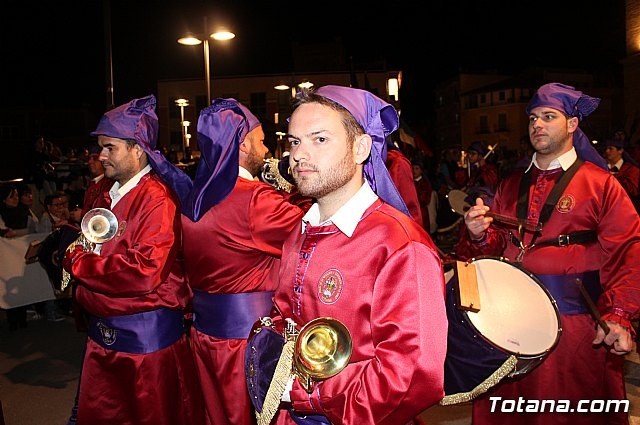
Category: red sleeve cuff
<point>621,317</point>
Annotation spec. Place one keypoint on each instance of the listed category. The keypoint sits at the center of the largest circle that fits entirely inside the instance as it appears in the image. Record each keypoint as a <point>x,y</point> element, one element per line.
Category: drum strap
<point>581,237</point>
<point>565,291</point>
<point>522,207</point>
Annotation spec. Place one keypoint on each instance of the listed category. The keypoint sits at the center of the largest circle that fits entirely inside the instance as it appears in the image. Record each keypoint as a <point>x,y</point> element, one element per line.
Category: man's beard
<point>320,184</point>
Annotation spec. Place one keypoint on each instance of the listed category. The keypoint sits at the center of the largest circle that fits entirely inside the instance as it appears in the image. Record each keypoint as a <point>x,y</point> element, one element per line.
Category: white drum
<point>517,317</point>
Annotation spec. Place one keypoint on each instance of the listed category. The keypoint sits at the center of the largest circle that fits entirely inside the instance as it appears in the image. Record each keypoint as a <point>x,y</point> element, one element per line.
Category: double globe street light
<point>194,40</point>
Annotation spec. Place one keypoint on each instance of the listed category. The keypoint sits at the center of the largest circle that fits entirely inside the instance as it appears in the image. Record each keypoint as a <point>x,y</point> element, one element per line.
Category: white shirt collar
<point>117,192</point>
<point>617,164</point>
<point>565,161</point>
<point>348,216</point>
<point>244,173</point>
<point>97,179</point>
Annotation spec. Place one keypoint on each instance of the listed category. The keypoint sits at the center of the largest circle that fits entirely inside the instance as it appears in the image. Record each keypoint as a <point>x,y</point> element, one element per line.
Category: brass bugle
<point>99,225</point>
<point>322,349</point>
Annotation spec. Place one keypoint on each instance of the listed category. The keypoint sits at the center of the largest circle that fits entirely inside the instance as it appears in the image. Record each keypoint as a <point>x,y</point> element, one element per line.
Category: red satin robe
<point>629,178</point>
<point>424,191</point>
<point>401,173</point>
<point>235,247</point>
<point>137,271</point>
<point>574,370</point>
<point>386,284</point>
<point>95,190</point>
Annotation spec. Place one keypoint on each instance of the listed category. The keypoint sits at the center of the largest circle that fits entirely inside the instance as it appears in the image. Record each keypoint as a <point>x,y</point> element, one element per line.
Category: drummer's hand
<point>476,221</point>
<point>618,338</point>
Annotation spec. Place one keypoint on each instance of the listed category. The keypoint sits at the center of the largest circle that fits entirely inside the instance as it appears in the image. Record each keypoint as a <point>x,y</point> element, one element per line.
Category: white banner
<point>20,283</point>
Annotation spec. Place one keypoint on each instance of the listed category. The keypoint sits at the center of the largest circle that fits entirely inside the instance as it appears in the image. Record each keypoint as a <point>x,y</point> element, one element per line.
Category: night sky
<point>52,52</point>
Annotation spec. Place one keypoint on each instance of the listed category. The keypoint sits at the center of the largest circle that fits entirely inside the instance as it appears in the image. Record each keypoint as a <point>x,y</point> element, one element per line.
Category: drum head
<point>457,201</point>
<point>516,313</point>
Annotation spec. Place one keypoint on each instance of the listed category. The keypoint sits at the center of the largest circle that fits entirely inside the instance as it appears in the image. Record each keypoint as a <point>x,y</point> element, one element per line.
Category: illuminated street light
<point>183,103</point>
<point>194,40</point>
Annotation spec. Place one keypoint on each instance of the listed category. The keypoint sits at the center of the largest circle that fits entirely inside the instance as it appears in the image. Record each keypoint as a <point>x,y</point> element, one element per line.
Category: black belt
<point>581,237</point>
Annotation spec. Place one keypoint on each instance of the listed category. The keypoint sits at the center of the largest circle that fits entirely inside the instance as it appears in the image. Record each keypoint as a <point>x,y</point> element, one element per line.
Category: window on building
<point>174,110</point>
<point>483,99</point>
<point>502,122</point>
<point>258,104</point>
<point>502,96</point>
<point>484,124</point>
<point>176,139</point>
<point>201,103</point>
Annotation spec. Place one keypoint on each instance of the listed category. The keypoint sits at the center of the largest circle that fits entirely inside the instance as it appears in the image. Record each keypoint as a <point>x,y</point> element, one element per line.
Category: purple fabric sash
<point>139,333</point>
<point>565,291</point>
<point>309,419</point>
<point>229,316</point>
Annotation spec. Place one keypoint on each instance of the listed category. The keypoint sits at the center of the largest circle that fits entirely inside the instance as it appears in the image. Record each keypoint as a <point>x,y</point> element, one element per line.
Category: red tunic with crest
<point>575,369</point>
<point>235,248</point>
<point>385,283</point>
<point>138,270</point>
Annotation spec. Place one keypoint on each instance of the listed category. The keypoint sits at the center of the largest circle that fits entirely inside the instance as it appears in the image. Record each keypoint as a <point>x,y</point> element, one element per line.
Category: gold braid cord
<point>271,174</point>
<point>504,370</point>
<point>278,383</point>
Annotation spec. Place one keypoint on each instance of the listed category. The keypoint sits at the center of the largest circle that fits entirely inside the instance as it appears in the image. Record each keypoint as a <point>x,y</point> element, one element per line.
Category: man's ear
<point>572,124</point>
<point>244,146</point>
<point>362,148</point>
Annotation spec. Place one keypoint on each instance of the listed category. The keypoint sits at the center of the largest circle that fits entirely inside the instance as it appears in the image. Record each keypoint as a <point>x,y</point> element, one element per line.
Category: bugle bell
<point>98,225</point>
<point>322,349</point>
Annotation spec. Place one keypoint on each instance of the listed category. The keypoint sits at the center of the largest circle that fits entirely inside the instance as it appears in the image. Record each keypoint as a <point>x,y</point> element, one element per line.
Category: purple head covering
<point>477,147</point>
<point>378,119</point>
<point>572,103</point>
<point>135,121</point>
<point>221,128</point>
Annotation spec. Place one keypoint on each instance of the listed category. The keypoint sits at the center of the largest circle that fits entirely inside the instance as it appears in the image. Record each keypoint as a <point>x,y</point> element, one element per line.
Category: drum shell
<point>472,356</point>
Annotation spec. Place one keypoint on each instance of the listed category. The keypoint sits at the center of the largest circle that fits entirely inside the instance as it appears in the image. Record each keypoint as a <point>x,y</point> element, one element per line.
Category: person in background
<point>591,234</point>
<point>624,168</point>
<point>427,197</point>
<point>14,221</point>
<point>98,183</point>
<point>357,256</point>
<point>400,171</point>
<point>483,175</point>
<point>232,252</point>
<point>26,204</point>
<point>138,367</point>
<point>56,212</point>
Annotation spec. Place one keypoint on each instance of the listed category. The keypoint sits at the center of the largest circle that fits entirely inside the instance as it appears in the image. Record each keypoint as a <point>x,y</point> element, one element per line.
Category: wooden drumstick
<point>592,307</point>
<point>529,225</point>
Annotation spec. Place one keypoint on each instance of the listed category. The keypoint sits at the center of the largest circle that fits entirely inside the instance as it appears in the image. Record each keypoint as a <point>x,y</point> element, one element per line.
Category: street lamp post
<point>194,40</point>
<point>182,103</point>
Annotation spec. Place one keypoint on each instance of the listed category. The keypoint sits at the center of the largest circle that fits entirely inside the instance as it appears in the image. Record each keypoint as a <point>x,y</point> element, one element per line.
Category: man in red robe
<point>232,256</point>
<point>590,233</point>
<point>138,367</point>
<point>625,168</point>
<point>98,183</point>
<point>357,258</point>
<point>401,173</point>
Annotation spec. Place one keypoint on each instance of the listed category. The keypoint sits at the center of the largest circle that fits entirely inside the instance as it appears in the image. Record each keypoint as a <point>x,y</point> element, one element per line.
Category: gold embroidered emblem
<point>566,204</point>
